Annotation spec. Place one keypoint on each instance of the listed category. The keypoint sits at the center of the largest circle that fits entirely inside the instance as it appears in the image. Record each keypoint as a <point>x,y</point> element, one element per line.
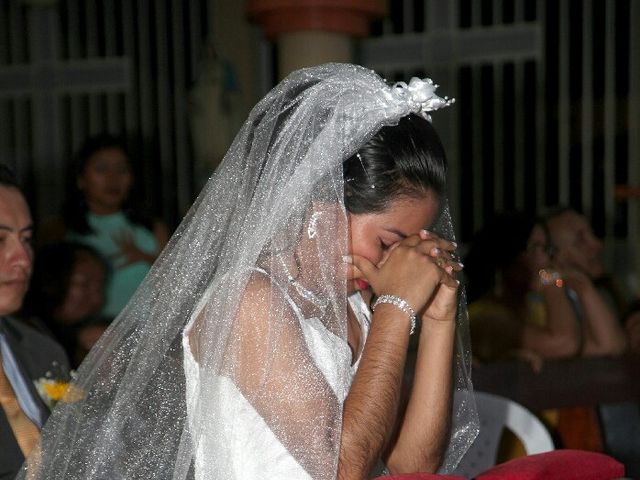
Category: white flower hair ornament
<point>419,97</point>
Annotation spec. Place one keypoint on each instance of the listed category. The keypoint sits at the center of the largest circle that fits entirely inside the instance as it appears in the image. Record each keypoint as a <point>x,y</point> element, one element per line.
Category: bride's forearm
<point>422,436</point>
<point>371,407</point>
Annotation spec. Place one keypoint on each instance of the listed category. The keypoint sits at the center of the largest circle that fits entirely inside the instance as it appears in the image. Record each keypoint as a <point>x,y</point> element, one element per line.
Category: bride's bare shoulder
<point>262,297</point>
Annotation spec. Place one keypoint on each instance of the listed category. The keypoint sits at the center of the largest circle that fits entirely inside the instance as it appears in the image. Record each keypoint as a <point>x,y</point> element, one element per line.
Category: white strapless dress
<point>229,450</point>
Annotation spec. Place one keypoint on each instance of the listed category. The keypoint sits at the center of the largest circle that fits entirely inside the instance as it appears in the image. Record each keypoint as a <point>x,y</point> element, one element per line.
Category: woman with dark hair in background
<point>99,212</point>
<point>66,294</point>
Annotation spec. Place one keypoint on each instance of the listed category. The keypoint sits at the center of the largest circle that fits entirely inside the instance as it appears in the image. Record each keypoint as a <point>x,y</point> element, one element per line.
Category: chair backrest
<point>497,413</point>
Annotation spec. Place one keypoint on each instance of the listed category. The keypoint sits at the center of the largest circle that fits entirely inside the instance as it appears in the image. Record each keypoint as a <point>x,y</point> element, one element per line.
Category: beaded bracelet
<point>401,304</point>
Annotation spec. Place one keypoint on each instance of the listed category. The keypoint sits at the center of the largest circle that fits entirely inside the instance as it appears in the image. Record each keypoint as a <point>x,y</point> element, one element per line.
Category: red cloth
<point>558,464</point>
<point>420,476</point>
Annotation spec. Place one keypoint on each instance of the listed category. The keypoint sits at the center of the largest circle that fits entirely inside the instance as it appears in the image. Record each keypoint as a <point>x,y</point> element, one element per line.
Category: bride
<point>271,338</point>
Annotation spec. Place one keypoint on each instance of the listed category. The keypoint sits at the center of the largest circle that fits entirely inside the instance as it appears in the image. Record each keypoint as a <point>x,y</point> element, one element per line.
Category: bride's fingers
<point>440,242</point>
<point>449,261</point>
<point>440,250</point>
<point>450,281</point>
<point>368,269</point>
<point>444,303</point>
<point>425,242</point>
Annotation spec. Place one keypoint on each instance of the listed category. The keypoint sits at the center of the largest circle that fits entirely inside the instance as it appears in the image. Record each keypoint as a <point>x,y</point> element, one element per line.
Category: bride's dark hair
<point>403,159</point>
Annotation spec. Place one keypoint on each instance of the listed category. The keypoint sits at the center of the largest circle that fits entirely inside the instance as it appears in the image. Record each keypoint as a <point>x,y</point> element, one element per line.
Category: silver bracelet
<point>401,304</point>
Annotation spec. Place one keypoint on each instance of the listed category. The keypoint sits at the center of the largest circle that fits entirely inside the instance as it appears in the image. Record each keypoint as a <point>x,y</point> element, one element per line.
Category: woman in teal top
<point>109,235</point>
<point>99,213</point>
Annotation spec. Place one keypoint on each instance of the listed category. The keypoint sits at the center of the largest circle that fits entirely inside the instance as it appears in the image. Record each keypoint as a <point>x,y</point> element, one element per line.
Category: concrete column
<point>303,49</point>
<point>311,32</point>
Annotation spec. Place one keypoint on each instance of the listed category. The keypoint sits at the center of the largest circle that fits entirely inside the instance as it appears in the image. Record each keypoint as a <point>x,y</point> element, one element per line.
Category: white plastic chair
<point>496,413</point>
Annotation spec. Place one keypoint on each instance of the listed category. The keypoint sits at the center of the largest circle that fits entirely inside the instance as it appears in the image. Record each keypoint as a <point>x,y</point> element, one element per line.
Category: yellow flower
<point>52,391</point>
<point>55,390</point>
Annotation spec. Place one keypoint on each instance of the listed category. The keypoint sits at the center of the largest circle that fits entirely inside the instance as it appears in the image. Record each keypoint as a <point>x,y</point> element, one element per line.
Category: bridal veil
<point>126,415</point>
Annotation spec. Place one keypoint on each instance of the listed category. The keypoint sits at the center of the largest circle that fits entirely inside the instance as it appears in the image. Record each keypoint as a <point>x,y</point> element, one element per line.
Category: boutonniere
<point>58,385</point>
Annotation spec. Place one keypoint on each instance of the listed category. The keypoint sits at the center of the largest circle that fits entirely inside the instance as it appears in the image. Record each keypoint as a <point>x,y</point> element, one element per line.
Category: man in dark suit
<point>26,355</point>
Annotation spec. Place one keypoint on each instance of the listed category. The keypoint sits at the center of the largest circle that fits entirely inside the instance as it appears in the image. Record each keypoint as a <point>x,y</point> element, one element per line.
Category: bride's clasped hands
<point>421,269</point>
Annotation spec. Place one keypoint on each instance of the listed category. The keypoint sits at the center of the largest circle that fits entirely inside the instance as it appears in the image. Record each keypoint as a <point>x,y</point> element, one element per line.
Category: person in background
<point>578,253</point>
<point>27,357</point>
<point>67,293</point>
<point>602,310</point>
<point>99,212</point>
<point>518,307</point>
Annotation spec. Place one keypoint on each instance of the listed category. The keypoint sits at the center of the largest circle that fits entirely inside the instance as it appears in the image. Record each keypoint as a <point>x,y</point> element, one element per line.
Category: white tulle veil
<point>126,417</point>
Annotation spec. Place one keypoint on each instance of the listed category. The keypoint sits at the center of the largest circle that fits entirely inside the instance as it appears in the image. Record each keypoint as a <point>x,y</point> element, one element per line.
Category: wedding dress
<point>215,367</point>
<point>241,428</point>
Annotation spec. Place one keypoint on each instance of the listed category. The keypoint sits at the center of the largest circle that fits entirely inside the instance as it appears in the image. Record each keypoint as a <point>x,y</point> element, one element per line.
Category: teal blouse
<point>123,279</point>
